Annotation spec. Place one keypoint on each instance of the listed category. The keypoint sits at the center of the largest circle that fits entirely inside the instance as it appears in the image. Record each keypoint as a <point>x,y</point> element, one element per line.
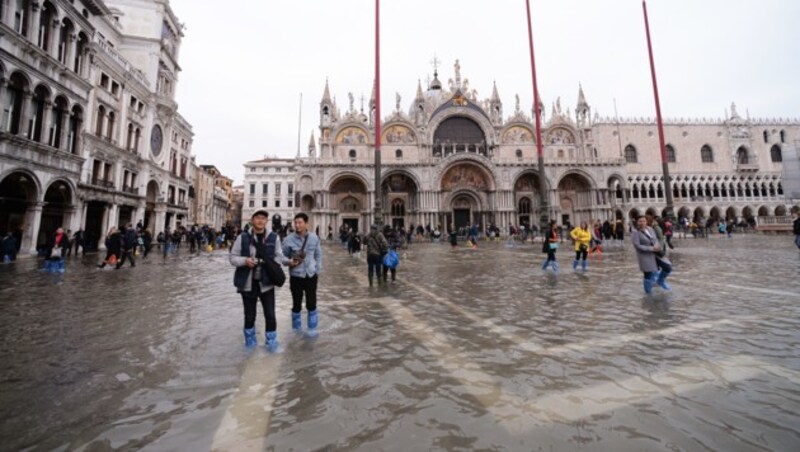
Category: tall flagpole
<point>544,196</point>
<point>664,162</point>
<point>378,188</point>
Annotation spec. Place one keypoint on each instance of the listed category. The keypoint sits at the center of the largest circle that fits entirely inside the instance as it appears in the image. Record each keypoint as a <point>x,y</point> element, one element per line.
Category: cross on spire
<point>435,63</point>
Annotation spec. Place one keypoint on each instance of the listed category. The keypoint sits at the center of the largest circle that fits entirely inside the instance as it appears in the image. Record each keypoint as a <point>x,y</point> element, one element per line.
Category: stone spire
<point>326,95</point>
<point>419,90</point>
<point>312,146</point>
<point>495,94</point>
<point>581,98</point>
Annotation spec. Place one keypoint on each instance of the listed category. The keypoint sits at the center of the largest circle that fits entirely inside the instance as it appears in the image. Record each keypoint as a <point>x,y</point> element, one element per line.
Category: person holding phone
<point>302,251</point>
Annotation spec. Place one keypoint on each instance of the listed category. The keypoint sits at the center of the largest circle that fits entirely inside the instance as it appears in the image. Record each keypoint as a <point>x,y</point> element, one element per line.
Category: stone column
<point>33,28</point>
<point>70,49</point>
<point>33,220</point>
<point>62,131</point>
<point>47,115</point>
<point>161,215</point>
<point>101,246</point>
<point>55,39</point>
<point>72,220</point>
<point>3,82</point>
<point>24,115</point>
<point>139,213</point>
<point>112,214</point>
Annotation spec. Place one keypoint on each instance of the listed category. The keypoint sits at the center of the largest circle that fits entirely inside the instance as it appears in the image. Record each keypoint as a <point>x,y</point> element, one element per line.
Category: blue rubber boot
<point>575,265</point>
<point>297,322</point>
<point>250,337</point>
<point>313,321</point>
<point>555,267</point>
<point>272,341</point>
<point>648,285</point>
<point>583,265</point>
<point>662,281</point>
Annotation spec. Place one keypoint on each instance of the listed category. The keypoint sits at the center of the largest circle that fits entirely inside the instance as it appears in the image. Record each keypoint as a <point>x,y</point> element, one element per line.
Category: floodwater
<point>469,349</point>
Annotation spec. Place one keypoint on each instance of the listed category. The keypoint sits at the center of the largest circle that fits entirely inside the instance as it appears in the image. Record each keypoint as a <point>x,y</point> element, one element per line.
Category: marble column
<point>33,28</point>
<point>24,115</point>
<point>33,221</point>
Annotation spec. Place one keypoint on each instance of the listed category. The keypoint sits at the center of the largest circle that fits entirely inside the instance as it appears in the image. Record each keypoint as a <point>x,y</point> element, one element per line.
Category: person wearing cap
<point>377,247</point>
<point>247,250</point>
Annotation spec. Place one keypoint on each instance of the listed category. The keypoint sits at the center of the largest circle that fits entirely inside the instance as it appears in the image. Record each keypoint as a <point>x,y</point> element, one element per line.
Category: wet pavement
<point>469,349</point>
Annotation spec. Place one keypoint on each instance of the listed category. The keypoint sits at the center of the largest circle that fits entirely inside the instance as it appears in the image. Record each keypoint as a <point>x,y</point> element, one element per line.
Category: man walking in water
<point>377,247</point>
<point>302,252</point>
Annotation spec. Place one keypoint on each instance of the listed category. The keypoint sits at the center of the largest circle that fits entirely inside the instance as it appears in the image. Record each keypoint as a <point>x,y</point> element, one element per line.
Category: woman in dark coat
<point>113,246</point>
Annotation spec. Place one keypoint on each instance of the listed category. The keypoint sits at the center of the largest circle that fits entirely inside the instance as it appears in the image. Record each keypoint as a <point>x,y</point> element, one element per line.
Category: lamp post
<point>664,161</point>
<point>544,198</point>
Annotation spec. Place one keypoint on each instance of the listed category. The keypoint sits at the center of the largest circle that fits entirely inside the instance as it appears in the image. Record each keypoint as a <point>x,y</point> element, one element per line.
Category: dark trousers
<point>299,286</point>
<point>581,255</point>
<point>250,300</point>
<point>386,272</point>
<point>126,254</point>
<point>374,264</point>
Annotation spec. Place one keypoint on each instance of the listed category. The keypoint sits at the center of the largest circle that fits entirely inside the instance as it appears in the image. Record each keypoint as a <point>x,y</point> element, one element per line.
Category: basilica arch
<point>465,194</point>
<point>348,194</point>
<point>527,197</point>
<point>400,191</point>
<point>576,200</point>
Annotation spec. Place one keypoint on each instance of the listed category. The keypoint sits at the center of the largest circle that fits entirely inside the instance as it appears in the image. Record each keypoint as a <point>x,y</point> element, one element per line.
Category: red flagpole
<point>661,140</point>
<point>544,217</point>
<point>378,188</point>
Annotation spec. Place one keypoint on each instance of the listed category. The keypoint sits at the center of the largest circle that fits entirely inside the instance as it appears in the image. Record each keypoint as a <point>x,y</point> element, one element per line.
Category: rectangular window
<point>289,203</point>
<point>277,170</point>
<point>114,88</point>
<point>252,189</point>
<point>264,169</point>
<point>277,203</point>
<point>277,189</point>
<point>264,203</point>
<point>264,189</point>
<point>252,203</point>
<point>104,81</point>
<point>290,189</point>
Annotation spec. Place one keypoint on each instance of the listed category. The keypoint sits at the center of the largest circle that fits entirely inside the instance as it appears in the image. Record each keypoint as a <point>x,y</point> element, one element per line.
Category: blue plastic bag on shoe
<point>392,260</point>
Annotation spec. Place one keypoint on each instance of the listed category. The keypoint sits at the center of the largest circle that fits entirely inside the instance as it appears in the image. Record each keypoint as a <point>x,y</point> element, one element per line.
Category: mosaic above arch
<point>398,134</point>
<point>465,176</point>
<point>351,135</point>
<point>559,136</point>
<point>517,134</point>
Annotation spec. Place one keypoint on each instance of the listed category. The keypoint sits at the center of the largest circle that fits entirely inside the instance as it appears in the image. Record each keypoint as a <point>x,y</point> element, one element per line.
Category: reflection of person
<point>9,247</point>
<point>252,280</point>
<point>303,254</point>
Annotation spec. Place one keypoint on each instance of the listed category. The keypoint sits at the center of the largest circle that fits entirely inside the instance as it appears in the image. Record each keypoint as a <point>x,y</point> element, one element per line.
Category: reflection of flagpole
<point>664,163</point>
<point>378,194</point>
<point>544,196</point>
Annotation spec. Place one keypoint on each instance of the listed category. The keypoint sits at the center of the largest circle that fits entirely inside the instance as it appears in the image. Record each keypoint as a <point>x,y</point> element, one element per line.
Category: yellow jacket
<point>581,237</point>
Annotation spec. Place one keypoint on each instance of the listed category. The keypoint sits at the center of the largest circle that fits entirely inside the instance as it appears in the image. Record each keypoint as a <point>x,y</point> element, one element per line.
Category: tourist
<point>147,243</point>
<point>453,236</point>
<point>78,242</point>
<point>128,245</point>
<point>56,247</point>
<point>377,247</point>
<point>252,280</point>
<point>581,236</point>
<point>302,252</point>
<point>796,229</point>
<point>596,245</point>
<point>113,248</point>
<point>550,245</point>
<point>354,244</point>
<point>9,247</point>
<point>651,256</point>
<point>394,243</point>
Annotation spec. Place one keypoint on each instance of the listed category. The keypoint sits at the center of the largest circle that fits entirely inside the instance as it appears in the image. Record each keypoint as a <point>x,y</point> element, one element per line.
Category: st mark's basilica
<point>451,158</point>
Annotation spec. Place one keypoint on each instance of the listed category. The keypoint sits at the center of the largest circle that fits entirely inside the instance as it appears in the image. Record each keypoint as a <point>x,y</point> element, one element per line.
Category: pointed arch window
<point>776,154</point>
<point>670,153</point>
<point>706,154</point>
<point>630,154</point>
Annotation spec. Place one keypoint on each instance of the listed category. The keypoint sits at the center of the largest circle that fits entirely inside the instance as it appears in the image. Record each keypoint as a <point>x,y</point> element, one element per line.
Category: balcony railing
<point>131,190</point>
<point>103,183</point>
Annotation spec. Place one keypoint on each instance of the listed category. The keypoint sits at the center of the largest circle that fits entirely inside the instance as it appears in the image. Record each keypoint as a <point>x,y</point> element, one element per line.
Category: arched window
<point>398,208</point>
<point>670,153</point>
<point>524,206</point>
<point>776,154</point>
<point>518,153</point>
<point>398,154</point>
<point>129,139</point>
<point>742,157</point>
<point>766,136</point>
<point>706,154</point>
<point>630,154</point>
<point>352,154</point>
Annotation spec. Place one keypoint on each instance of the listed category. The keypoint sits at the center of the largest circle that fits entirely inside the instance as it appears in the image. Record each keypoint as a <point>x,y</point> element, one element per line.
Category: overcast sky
<point>244,65</point>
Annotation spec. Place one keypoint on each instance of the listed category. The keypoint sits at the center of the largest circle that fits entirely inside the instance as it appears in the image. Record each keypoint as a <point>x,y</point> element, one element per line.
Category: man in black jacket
<point>128,245</point>
<point>796,229</point>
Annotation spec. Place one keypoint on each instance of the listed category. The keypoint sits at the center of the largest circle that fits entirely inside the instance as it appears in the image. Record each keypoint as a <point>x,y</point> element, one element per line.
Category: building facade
<point>269,184</point>
<point>453,159</point>
<point>91,136</point>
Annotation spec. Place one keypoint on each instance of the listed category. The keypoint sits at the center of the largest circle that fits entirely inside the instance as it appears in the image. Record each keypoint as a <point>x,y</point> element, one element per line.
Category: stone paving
<point>469,349</point>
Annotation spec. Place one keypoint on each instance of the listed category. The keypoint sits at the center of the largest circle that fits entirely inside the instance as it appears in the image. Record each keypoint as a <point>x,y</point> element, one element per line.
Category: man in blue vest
<point>303,252</point>
<point>251,279</point>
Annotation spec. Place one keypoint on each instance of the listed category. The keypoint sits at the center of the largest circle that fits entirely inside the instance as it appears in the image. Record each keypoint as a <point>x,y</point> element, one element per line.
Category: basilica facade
<point>453,159</point>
